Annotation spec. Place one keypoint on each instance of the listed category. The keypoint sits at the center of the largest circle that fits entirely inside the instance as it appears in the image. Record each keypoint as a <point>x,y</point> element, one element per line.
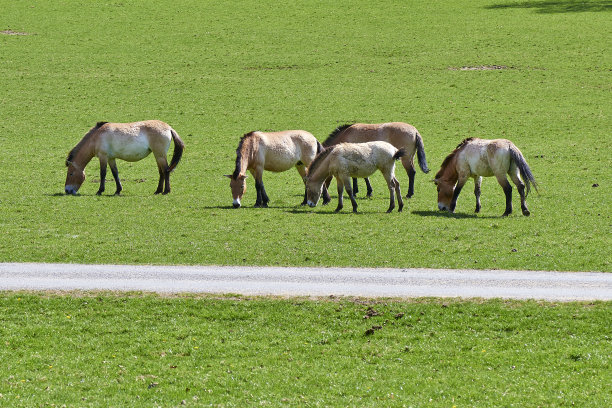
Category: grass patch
<point>93,349</point>
<point>215,71</point>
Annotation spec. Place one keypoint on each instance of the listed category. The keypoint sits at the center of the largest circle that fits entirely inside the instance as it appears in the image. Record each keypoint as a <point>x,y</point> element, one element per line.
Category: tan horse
<point>347,160</point>
<point>400,135</point>
<point>478,158</point>
<point>125,141</point>
<point>271,151</point>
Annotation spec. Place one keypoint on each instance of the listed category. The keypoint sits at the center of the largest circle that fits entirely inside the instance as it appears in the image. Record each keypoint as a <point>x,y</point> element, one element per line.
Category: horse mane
<point>319,158</point>
<point>239,153</point>
<point>85,138</point>
<point>335,133</point>
<point>450,157</point>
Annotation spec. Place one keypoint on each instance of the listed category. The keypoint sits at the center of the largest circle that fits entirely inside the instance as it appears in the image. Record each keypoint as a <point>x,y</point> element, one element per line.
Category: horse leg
<point>355,186</point>
<point>369,187</point>
<point>115,172</point>
<point>503,182</point>
<point>398,193</point>
<point>349,191</point>
<point>103,162</point>
<point>458,187</point>
<point>391,185</point>
<point>300,168</point>
<point>408,163</point>
<point>340,184</point>
<point>326,197</point>
<point>162,167</point>
<point>258,201</point>
<point>477,183</point>
<point>520,186</point>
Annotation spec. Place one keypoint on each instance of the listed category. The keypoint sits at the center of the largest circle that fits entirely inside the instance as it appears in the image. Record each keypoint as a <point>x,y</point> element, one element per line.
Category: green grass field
<point>216,70</point>
<point>142,351</point>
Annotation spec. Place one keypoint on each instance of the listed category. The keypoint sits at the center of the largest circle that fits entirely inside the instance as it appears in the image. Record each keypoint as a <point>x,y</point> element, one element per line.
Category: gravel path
<point>364,282</point>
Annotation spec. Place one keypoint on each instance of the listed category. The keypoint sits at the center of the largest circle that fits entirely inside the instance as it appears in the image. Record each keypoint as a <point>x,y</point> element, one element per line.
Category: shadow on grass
<point>446,214</point>
<point>553,7</point>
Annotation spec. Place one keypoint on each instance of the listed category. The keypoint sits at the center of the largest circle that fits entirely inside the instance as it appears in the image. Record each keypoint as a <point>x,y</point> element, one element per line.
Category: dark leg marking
<point>369,187</point>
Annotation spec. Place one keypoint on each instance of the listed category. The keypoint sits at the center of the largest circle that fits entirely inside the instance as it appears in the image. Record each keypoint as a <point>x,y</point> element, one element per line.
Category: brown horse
<point>125,141</point>
<point>347,160</point>
<point>479,158</point>
<point>272,151</point>
<point>400,135</point>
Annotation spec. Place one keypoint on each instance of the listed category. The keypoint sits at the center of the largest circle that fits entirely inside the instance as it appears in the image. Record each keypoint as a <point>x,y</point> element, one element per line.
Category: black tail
<point>400,153</point>
<point>319,147</point>
<point>524,169</point>
<point>179,146</point>
<point>421,153</point>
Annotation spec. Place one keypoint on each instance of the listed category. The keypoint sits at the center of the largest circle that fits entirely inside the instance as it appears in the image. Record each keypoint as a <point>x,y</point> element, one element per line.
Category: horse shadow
<point>553,7</point>
<point>446,214</point>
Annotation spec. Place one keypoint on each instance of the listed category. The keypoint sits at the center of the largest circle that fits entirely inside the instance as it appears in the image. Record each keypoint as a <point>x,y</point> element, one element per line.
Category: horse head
<point>238,186</point>
<point>313,192</point>
<point>74,178</point>
<point>445,193</point>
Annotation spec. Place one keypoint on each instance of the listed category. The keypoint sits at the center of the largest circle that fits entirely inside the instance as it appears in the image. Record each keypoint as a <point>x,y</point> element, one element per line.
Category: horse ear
<point>227,175</point>
<point>242,177</point>
<point>435,181</point>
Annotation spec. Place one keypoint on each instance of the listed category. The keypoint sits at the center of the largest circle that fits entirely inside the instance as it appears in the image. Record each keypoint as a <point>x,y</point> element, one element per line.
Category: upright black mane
<point>329,141</point>
<point>76,148</point>
<point>239,154</point>
<point>448,158</point>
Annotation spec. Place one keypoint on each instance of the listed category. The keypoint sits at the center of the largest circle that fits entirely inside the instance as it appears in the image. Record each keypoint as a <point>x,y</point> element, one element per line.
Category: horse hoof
<point>526,213</point>
<point>506,214</point>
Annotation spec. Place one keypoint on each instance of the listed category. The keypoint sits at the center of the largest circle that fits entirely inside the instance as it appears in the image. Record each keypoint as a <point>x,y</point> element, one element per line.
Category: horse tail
<point>521,163</point>
<point>400,153</point>
<point>179,146</point>
<point>421,153</point>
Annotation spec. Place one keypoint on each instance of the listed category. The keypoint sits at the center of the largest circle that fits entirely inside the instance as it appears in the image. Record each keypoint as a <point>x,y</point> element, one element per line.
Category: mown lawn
<point>217,70</point>
<point>142,350</point>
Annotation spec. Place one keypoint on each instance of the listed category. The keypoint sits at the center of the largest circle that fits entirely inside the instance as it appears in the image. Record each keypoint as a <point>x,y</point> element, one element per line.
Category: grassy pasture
<point>215,70</point>
<point>143,351</point>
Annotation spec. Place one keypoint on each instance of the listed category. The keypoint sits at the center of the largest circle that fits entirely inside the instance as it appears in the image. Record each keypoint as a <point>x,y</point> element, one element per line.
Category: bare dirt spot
<point>480,68</point>
<point>11,32</point>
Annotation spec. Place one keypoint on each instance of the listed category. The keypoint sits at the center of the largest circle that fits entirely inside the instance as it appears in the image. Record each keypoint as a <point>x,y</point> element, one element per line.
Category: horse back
<point>398,134</point>
<point>133,141</point>
<point>279,151</point>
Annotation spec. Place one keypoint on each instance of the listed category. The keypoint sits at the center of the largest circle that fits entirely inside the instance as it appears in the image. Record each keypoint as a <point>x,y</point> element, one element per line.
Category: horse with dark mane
<point>271,151</point>
<point>399,134</point>
<point>125,141</point>
<point>478,158</point>
<point>346,160</point>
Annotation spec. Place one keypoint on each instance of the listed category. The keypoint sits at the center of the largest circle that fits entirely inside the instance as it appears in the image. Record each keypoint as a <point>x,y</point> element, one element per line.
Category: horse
<point>126,141</point>
<point>271,151</point>
<point>478,158</point>
<point>399,134</point>
<point>346,160</point>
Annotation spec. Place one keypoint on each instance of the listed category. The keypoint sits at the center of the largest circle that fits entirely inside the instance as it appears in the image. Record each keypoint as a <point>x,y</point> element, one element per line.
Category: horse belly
<point>280,160</point>
<point>129,149</point>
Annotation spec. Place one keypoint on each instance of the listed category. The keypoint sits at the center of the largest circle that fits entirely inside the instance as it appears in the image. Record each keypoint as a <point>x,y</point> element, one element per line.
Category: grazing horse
<point>272,151</point>
<point>400,135</point>
<point>125,141</point>
<point>346,160</point>
<point>478,158</point>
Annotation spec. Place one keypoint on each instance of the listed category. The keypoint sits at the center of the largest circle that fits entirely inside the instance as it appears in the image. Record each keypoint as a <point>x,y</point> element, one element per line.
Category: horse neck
<point>321,172</point>
<point>85,152</point>
<point>245,156</point>
<point>450,172</point>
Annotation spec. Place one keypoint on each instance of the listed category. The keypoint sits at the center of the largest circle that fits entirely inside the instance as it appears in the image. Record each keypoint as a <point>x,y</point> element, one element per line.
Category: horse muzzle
<point>236,203</point>
<point>443,207</point>
<point>71,190</point>
<point>311,204</point>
